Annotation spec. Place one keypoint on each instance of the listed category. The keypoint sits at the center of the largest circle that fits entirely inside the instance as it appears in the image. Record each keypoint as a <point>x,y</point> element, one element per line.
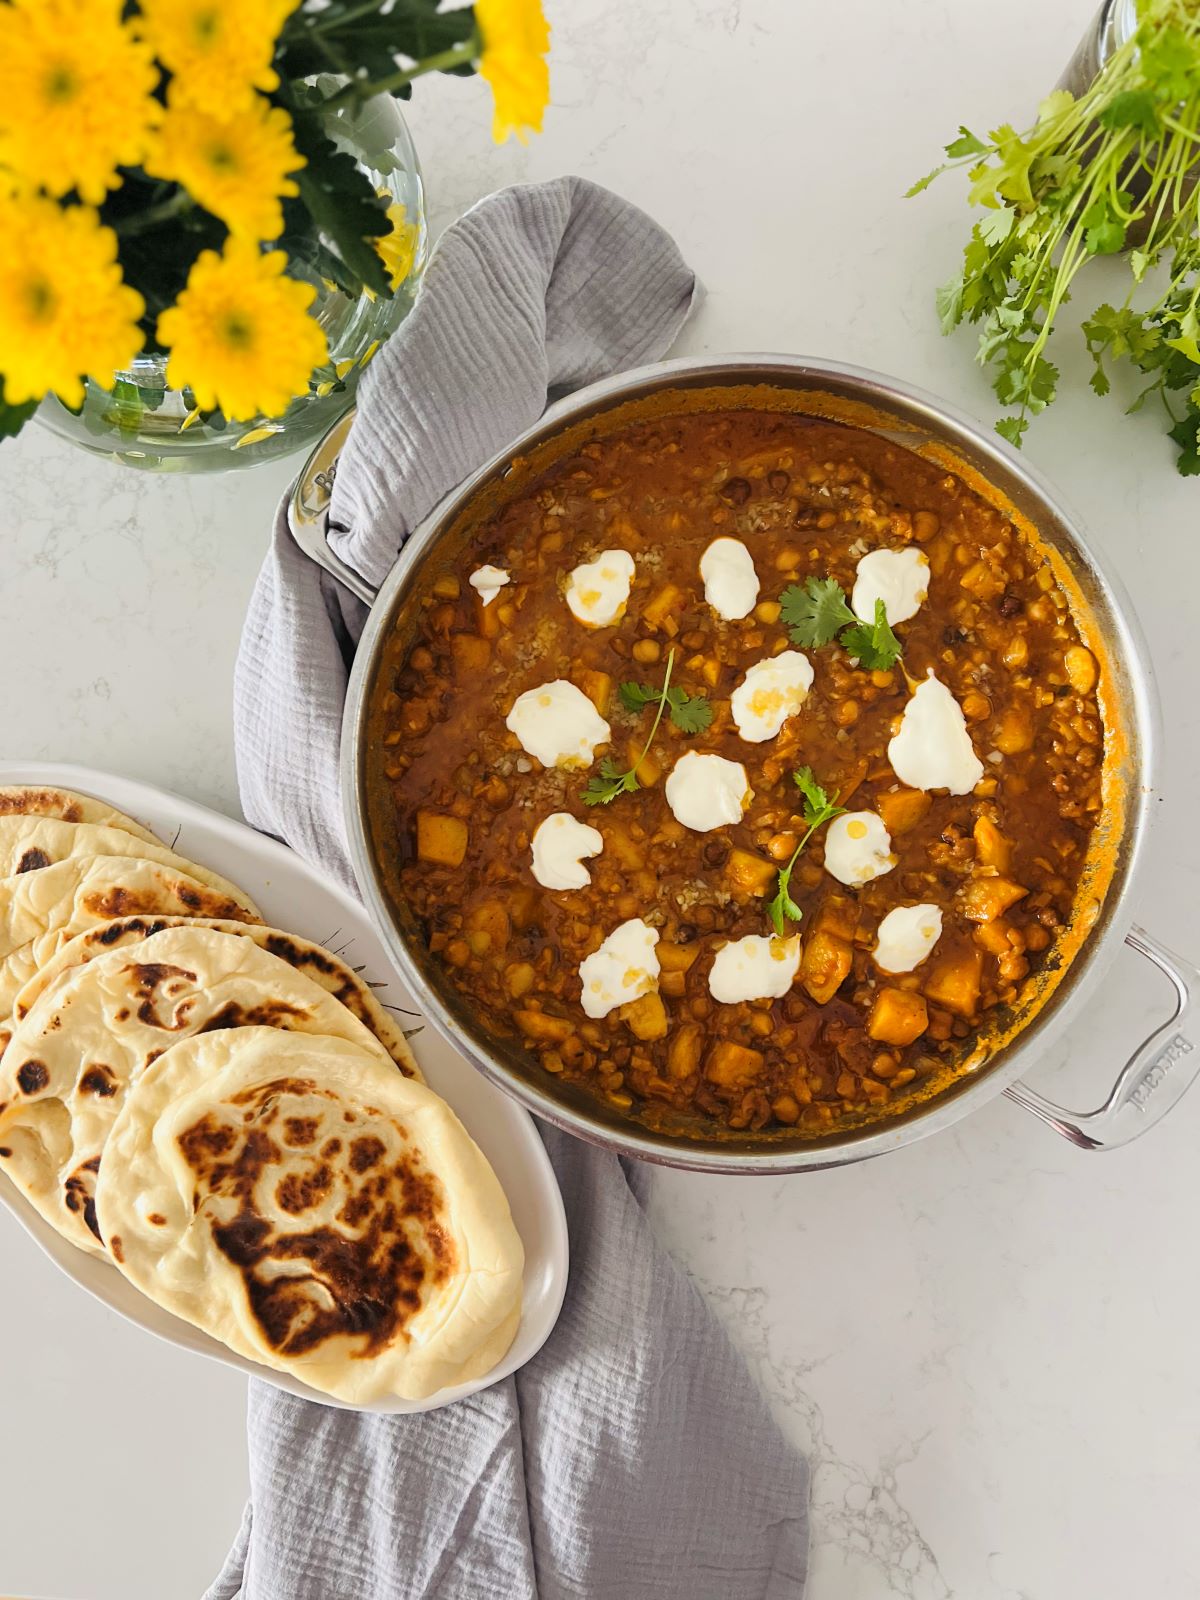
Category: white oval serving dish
<point>294,896</point>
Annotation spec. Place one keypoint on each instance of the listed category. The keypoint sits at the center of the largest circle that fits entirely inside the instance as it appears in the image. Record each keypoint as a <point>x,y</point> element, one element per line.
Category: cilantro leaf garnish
<point>818,810</point>
<point>612,781</point>
<point>691,713</point>
<point>815,611</point>
<point>602,791</point>
<point>872,644</point>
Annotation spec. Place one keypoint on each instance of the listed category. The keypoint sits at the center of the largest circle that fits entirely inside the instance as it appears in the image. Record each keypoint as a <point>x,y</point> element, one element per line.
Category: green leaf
<point>783,906</point>
<point>818,807</point>
<point>636,696</point>
<point>1186,435</point>
<point>603,790</point>
<point>1104,232</point>
<point>997,225</point>
<point>1012,429</point>
<point>341,33</point>
<point>949,301</point>
<point>1185,340</point>
<point>814,612</point>
<point>965,145</point>
<point>1056,104</point>
<point>873,645</point>
<point>923,183</point>
<point>690,713</point>
<point>14,418</point>
<point>342,203</point>
<point>1131,108</point>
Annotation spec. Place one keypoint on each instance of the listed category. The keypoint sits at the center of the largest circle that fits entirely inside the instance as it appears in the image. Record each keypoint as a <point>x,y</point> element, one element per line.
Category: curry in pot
<point>743,771</point>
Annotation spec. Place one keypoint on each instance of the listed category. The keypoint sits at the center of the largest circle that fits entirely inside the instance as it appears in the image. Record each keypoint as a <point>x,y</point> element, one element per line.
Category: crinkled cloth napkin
<point>634,1456</point>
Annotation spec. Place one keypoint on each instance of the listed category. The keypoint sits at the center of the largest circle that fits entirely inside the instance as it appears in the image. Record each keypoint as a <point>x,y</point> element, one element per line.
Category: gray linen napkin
<point>634,1455</point>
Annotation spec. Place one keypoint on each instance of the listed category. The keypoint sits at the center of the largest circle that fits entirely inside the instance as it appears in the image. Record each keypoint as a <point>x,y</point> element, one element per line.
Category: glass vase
<point>143,422</point>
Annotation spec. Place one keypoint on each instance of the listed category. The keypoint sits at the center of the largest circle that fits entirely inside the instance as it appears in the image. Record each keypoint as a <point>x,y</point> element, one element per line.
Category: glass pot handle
<point>1155,1077</point>
<point>308,510</point>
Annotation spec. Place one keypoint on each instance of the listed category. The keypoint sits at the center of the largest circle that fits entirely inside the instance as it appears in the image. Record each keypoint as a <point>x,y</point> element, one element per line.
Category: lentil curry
<point>838,1039</point>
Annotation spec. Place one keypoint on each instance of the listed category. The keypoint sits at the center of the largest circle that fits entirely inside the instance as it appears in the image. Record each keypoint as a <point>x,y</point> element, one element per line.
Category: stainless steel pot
<point>1159,1070</point>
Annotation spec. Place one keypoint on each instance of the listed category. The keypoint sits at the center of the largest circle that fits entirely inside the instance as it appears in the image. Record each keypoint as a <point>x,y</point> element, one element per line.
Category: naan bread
<point>40,911</point>
<point>71,1060</point>
<point>314,1210</point>
<point>33,800</point>
<point>313,960</point>
<point>30,844</point>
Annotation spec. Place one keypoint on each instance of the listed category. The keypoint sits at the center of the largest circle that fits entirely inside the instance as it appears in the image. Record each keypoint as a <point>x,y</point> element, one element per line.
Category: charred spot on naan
<point>265,1014</point>
<point>305,955</point>
<point>79,1193</point>
<point>299,1131</point>
<point>157,984</point>
<point>40,803</point>
<point>365,1278</point>
<point>99,1080</point>
<point>33,860</point>
<point>32,1077</point>
<point>130,930</point>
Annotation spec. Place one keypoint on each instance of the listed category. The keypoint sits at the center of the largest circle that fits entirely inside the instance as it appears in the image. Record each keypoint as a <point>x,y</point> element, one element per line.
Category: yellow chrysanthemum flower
<point>65,313</point>
<point>397,249</point>
<point>235,166</point>
<point>516,37</point>
<point>76,94</point>
<point>220,51</point>
<point>240,336</point>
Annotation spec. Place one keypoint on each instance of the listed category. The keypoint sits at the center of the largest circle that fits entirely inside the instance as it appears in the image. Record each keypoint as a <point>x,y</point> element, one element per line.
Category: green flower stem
<point>354,93</point>
<point>175,205</point>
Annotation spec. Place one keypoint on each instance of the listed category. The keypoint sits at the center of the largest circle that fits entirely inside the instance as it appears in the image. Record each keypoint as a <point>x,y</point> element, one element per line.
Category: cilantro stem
<point>662,706</point>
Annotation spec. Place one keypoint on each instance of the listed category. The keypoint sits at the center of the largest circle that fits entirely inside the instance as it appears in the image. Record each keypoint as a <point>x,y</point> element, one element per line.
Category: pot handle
<point>308,510</point>
<point>1155,1077</point>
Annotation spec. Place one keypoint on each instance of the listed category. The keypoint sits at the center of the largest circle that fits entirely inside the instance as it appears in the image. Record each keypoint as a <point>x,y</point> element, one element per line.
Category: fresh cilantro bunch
<point>815,613</point>
<point>691,713</point>
<point>817,811</point>
<point>1114,168</point>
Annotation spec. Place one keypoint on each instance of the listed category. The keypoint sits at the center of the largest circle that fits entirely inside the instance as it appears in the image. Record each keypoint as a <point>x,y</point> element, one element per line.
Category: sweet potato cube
<point>1015,732</point>
<point>732,1066</point>
<point>441,840</point>
<point>471,653</point>
<point>749,874</point>
<point>837,914</point>
<point>598,687</point>
<point>543,1028</point>
<point>676,957</point>
<point>825,965</point>
<point>622,846</point>
<point>683,1053</point>
<point>490,917</point>
<point>487,618</point>
<point>661,604</point>
<point>902,809</point>
<point>646,1017</point>
<point>954,981</point>
<point>985,899</point>
<point>993,937</point>
<point>898,1017</point>
<point>992,849</point>
<point>648,769</point>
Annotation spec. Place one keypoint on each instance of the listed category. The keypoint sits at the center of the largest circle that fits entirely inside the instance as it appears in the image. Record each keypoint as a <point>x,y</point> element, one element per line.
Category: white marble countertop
<point>986,1342</point>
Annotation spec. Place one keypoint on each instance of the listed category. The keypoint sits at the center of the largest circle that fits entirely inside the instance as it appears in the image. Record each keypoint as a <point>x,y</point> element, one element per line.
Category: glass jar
<point>143,422</point>
<point>1113,25</point>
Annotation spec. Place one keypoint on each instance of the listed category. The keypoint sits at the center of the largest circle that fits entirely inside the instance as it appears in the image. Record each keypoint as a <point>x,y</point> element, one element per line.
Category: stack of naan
<point>227,1113</point>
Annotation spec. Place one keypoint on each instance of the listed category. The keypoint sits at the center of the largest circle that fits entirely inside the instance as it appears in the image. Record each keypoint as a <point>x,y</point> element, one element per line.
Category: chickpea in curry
<point>1001,862</point>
